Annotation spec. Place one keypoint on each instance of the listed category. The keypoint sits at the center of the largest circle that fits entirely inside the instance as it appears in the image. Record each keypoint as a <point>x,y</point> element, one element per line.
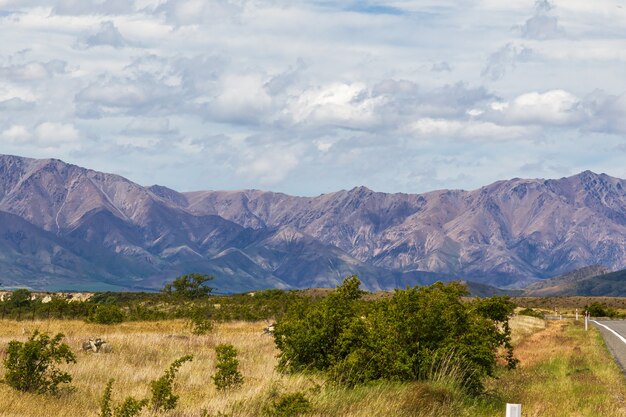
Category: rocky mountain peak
<point>507,233</point>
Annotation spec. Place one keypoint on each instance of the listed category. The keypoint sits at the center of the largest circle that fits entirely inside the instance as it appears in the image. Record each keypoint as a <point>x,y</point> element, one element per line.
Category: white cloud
<point>15,134</point>
<point>93,7</point>
<point>188,12</point>
<point>268,166</point>
<point>505,59</point>
<point>607,112</point>
<point>428,128</point>
<point>555,107</point>
<point>33,71</point>
<point>47,135</point>
<point>54,134</point>
<point>344,105</point>
<point>245,93</point>
<point>148,126</point>
<point>242,99</point>
<point>542,25</point>
<point>106,35</point>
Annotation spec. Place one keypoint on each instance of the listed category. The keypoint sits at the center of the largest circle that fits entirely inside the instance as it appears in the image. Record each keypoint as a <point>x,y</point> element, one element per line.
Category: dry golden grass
<point>559,364</point>
<point>523,326</point>
<point>564,371</point>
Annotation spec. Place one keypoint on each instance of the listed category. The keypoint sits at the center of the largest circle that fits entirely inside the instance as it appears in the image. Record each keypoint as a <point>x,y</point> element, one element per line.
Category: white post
<point>576,314</point>
<point>513,410</point>
<point>586,320</point>
<point>560,316</point>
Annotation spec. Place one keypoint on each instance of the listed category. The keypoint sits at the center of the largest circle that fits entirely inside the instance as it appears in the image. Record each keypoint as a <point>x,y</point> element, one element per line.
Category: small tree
<point>189,287</point>
<point>107,314</point>
<point>30,366</point>
<point>20,298</point>
<point>227,375</point>
<point>163,397</point>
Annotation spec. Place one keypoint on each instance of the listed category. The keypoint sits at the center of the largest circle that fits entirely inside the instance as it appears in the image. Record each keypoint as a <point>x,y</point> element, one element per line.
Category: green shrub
<point>531,313</point>
<point>227,375</point>
<point>402,338</point>
<point>163,397</point>
<point>131,407</point>
<point>287,405</point>
<point>313,336</point>
<point>601,310</point>
<point>107,314</point>
<point>30,366</point>
<point>199,322</point>
<point>105,403</point>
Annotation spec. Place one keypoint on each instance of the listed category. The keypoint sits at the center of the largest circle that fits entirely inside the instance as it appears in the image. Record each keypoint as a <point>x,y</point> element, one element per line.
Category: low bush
<point>163,397</point>
<point>601,310</point>
<point>531,313</point>
<point>107,314</point>
<point>227,375</point>
<point>200,322</point>
<point>287,405</point>
<point>131,407</point>
<point>31,365</point>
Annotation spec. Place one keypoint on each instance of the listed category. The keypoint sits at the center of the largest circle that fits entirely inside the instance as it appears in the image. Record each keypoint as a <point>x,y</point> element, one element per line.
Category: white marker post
<point>586,320</point>
<point>576,314</point>
<point>513,410</point>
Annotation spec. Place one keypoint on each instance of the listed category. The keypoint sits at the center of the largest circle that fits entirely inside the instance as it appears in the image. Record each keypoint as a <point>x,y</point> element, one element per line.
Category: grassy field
<point>563,372</point>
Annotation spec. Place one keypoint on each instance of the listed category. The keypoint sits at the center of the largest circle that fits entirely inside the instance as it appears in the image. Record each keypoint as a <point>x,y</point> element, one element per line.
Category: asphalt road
<point>614,333</point>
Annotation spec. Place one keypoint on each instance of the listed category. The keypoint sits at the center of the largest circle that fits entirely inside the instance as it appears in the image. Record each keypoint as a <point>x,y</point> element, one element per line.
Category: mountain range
<point>67,227</point>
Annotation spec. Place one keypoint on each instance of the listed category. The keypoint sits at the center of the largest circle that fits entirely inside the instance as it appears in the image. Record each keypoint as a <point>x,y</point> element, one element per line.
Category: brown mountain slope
<point>508,233</point>
<point>564,284</point>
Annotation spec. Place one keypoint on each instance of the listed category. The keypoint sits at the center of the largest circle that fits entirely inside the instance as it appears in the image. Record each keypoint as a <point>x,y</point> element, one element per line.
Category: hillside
<point>612,284</point>
<point>565,284</point>
<point>67,227</point>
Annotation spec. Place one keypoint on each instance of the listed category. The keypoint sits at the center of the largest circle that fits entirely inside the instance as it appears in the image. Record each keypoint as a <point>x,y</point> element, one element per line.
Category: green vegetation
<point>189,287</point>
<point>405,337</point>
<point>31,365</point>
<point>531,313</point>
<point>287,405</point>
<point>129,408</point>
<point>227,375</point>
<point>110,308</point>
<point>107,314</point>
<point>563,370</point>
<point>163,397</point>
<point>200,322</point>
<point>601,310</point>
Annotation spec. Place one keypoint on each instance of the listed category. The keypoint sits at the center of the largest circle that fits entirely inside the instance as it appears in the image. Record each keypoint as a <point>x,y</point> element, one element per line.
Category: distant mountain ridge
<point>589,281</point>
<point>68,227</point>
<point>564,284</point>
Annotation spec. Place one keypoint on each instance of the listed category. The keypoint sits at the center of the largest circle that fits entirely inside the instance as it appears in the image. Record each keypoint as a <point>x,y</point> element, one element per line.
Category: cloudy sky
<point>307,97</point>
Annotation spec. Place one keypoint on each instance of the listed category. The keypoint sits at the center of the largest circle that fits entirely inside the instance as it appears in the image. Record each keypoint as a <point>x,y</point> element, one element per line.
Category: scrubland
<point>563,371</point>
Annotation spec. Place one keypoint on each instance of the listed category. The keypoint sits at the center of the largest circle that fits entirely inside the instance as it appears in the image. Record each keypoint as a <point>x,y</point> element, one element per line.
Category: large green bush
<point>408,336</point>
<point>31,365</point>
